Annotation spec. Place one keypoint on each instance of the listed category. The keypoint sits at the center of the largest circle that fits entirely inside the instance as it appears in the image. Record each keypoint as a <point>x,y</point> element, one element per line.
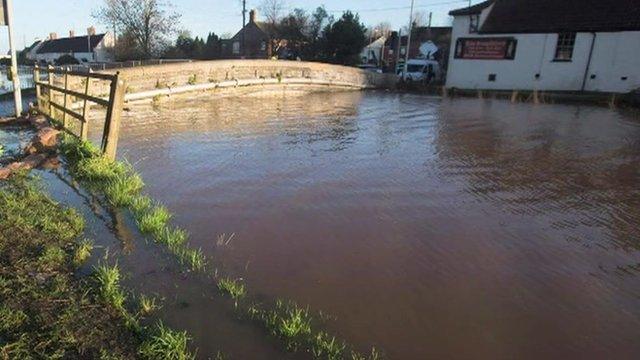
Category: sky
<point>37,18</point>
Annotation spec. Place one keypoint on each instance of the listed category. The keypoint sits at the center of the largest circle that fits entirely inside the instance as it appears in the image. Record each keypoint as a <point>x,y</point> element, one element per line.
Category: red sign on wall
<point>486,48</point>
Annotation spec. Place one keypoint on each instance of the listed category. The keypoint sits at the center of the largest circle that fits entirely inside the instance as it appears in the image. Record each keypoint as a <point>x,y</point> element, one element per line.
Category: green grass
<point>166,344</point>
<point>46,311</point>
<point>82,252</point>
<point>233,288</point>
<point>148,305</point>
<point>108,281</point>
<point>325,347</point>
<point>154,221</point>
<point>121,187</point>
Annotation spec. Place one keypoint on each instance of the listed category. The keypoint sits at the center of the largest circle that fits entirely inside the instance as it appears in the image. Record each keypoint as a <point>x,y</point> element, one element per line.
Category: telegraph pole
<point>8,20</point>
<point>244,23</point>
<point>406,55</point>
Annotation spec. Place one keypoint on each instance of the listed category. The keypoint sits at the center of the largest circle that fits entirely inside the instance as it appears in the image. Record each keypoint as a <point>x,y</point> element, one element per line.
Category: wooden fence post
<point>66,97</point>
<point>50,72</point>
<point>84,125</point>
<point>36,78</point>
<point>112,122</point>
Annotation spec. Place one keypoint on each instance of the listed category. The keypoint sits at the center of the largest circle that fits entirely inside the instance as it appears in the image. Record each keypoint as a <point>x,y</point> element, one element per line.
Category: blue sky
<point>37,18</point>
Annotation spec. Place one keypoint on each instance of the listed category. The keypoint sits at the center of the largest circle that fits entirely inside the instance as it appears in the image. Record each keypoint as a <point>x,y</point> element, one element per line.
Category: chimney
<point>53,36</point>
<point>91,31</point>
<point>253,14</point>
<point>72,33</point>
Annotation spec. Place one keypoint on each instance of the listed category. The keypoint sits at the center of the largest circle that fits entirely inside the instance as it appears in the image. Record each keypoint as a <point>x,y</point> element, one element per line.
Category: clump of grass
<point>374,354</point>
<point>325,347</point>
<point>166,344</point>
<point>287,321</point>
<point>122,190</point>
<point>148,305</point>
<point>82,252</point>
<point>154,221</point>
<point>53,257</point>
<point>193,258</point>
<point>193,79</point>
<point>11,319</point>
<point>234,288</point>
<point>108,280</point>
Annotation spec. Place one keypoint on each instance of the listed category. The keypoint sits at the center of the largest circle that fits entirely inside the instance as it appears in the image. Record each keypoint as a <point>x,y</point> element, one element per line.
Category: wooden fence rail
<point>47,102</point>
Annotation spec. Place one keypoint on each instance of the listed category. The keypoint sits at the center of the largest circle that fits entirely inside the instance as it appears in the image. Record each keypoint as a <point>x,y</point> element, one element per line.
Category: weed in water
<point>166,344</point>
<point>82,252</point>
<point>108,279</point>
<point>224,240</point>
<point>193,258</point>
<point>140,205</point>
<point>175,239</point>
<point>154,221</point>
<point>122,190</point>
<point>373,355</point>
<point>147,305</point>
<point>232,287</point>
<point>327,348</point>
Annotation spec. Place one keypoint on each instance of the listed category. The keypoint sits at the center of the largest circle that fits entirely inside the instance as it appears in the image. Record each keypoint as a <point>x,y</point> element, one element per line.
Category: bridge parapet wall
<point>155,77</point>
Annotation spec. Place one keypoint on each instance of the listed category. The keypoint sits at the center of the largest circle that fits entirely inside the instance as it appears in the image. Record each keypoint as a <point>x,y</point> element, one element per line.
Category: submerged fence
<point>66,91</point>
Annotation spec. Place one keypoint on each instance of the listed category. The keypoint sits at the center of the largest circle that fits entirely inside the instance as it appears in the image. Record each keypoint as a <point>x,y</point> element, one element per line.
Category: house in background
<point>550,45</point>
<point>254,36</point>
<point>90,48</point>
<point>372,53</point>
<point>395,47</point>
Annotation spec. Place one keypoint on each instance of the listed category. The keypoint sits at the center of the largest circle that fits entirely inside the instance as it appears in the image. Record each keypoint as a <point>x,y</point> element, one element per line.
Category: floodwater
<point>430,228</point>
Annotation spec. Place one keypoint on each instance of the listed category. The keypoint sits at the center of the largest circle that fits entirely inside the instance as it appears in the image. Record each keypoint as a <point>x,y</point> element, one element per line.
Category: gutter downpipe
<point>586,70</point>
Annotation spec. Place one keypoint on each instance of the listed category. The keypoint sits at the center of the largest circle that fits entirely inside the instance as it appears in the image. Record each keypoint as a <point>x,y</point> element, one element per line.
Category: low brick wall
<point>155,77</point>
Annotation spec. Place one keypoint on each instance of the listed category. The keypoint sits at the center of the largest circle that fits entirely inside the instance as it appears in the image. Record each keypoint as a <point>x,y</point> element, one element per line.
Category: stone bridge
<point>163,80</point>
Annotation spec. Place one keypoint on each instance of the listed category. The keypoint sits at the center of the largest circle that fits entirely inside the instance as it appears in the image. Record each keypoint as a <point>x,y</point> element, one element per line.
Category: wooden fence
<point>50,93</point>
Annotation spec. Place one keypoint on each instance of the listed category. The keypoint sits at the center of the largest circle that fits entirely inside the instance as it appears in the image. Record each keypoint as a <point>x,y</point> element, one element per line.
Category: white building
<point>90,48</point>
<point>372,53</point>
<point>549,45</point>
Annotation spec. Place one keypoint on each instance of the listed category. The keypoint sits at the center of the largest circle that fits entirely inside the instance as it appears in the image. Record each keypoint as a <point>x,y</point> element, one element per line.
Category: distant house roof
<point>472,10</point>
<point>71,45</point>
<point>551,16</point>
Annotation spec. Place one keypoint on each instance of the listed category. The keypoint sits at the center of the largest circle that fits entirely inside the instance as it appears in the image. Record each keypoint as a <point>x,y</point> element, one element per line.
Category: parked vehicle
<point>421,70</point>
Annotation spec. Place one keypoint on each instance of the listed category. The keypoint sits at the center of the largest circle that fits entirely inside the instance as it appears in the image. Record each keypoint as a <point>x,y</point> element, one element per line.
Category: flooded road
<point>429,228</point>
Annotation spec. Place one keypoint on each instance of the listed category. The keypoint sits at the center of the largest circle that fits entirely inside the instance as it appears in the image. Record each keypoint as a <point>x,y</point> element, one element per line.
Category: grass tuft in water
<point>148,305</point>
<point>325,347</point>
<point>108,280</point>
<point>82,252</point>
<point>234,288</point>
<point>166,344</point>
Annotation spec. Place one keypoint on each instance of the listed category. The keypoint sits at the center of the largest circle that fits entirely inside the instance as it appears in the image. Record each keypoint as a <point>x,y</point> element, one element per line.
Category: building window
<point>474,23</point>
<point>564,47</point>
<point>263,46</point>
<point>403,50</point>
<point>236,47</point>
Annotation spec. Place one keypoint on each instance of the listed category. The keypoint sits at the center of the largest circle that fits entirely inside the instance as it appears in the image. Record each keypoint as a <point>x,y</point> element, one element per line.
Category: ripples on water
<point>431,228</point>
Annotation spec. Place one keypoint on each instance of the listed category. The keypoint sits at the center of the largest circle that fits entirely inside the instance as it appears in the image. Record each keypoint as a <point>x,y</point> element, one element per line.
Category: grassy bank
<point>46,310</point>
<point>120,186</point>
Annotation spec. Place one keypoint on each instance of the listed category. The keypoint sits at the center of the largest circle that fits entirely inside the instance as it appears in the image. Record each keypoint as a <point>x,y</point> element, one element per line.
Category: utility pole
<point>244,23</point>
<point>398,54</point>
<point>406,55</point>
<point>8,20</point>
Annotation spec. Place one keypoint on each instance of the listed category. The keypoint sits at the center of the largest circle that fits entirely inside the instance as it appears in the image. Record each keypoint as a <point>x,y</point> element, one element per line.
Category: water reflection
<point>431,228</point>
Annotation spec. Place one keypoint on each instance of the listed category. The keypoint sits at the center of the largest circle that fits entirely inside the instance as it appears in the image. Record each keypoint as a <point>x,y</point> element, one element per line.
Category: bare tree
<point>146,22</point>
<point>272,10</point>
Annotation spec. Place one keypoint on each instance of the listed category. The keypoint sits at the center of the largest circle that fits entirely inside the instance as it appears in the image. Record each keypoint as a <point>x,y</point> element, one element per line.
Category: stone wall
<point>155,77</point>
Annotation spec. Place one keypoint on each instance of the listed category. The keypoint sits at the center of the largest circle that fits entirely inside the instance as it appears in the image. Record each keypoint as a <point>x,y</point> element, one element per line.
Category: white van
<point>421,70</point>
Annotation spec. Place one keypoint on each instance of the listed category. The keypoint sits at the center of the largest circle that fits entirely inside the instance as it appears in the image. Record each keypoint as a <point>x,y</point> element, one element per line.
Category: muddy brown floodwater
<point>430,228</point>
